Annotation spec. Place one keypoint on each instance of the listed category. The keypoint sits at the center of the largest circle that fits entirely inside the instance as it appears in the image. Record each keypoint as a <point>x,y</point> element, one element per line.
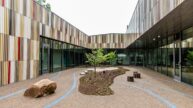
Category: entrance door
<point>45,58</point>
<point>177,60</point>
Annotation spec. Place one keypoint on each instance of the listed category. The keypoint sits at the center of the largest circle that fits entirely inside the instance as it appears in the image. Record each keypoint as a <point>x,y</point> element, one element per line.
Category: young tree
<point>95,58</point>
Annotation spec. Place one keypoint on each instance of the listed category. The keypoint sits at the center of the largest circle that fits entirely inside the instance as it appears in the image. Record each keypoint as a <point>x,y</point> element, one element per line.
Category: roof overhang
<point>177,20</point>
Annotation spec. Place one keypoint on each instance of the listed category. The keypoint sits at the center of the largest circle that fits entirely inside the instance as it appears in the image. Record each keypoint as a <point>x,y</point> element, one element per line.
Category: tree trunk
<point>95,68</point>
<point>95,71</point>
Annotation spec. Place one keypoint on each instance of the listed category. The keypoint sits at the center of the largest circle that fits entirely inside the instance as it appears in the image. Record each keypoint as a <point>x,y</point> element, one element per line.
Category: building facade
<point>34,41</point>
<point>164,36</point>
<point>109,41</point>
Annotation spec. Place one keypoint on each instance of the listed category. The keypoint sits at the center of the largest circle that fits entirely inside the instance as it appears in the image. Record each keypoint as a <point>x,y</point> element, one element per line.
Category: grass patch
<point>98,83</point>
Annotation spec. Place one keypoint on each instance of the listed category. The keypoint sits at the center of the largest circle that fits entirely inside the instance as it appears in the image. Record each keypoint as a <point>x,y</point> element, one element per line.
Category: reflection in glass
<point>164,56</point>
<point>64,57</point>
<point>57,57</point>
<point>44,56</point>
<point>187,45</point>
<point>170,56</point>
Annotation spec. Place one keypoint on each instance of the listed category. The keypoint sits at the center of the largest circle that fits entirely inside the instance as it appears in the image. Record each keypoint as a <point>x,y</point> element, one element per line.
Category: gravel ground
<point>153,90</point>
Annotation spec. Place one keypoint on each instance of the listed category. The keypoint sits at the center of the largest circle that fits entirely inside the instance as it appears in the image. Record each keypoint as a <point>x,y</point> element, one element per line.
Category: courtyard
<point>153,90</point>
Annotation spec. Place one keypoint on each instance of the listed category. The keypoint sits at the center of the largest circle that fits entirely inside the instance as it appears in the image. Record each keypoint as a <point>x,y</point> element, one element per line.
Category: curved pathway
<point>154,90</point>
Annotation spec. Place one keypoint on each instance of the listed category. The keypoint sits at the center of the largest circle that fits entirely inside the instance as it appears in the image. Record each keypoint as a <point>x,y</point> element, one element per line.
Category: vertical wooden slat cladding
<point>147,13</point>
<point>24,7</point>
<point>12,72</point>
<point>16,48</point>
<point>3,2</point>
<point>24,70</point>
<point>16,71</point>
<point>19,41</point>
<point>11,48</point>
<point>9,71</point>
<point>28,69</point>
<point>5,73</point>
<point>6,45</point>
<point>20,70</point>
<point>22,22</point>
<point>114,40</point>
<point>1,70</point>
<point>1,47</point>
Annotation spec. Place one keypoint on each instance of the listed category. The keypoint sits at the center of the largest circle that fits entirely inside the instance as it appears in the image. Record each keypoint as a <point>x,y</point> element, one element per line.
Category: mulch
<point>98,83</point>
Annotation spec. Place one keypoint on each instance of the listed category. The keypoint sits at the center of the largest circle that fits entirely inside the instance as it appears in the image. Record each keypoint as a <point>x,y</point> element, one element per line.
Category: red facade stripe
<point>18,49</point>
<point>9,72</point>
<point>3,2</point>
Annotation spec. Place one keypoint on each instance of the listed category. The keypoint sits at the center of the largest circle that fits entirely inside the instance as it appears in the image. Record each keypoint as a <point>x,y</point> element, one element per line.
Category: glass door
<point>45,58</point>
<point>177,60</point>
<point>44,55</point>
<point>64,56</point>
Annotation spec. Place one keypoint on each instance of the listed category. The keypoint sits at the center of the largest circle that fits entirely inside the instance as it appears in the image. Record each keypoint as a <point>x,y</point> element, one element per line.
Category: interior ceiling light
<point>159,36</point>
<point>154,39</point>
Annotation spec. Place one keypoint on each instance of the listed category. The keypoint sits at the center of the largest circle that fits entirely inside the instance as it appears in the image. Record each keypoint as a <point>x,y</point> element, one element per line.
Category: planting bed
<point>97,83</point>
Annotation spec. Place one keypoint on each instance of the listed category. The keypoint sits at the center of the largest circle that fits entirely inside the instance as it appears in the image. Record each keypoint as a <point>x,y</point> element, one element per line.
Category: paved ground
<point>152,91</point>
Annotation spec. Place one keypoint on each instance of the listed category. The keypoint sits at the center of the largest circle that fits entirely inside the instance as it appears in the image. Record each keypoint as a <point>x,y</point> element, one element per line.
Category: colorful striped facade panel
<point>28,19</point>
<point>148,13</point>
<point>114,40</point>
<point>17,56</point>
<point>13,71</point>
<point>1,67</point>
<point>4,73</point>
<point>22,22</point>
<point>1,47</point>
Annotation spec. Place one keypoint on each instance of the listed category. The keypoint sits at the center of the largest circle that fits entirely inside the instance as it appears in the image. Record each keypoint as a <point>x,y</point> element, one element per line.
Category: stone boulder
<point>41,88</point>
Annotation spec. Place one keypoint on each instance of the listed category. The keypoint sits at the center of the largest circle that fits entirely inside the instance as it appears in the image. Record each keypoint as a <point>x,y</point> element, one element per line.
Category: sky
<point>95,16</point>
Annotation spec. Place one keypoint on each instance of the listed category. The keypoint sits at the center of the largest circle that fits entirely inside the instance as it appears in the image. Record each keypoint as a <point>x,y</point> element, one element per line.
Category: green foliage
<point>97,57</point>
<point>111,57</point>
<point>189,58</point>
<point>48,6</point>
<point>43,3</point>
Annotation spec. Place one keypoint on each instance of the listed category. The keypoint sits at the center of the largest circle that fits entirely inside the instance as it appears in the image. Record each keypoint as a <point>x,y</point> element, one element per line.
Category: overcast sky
<point>96,16</point>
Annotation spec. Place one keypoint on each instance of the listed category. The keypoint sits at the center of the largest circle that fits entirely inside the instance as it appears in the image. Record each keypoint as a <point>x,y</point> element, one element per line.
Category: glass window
<point>57,56</point>
<point>159,62</point>
<point>164,56</point>
<point>170,56</point>
<point>67,55</point>
<point>44,55</point>
<point>64,56</point>
<point>70,55</point>
<point>187,45</point>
